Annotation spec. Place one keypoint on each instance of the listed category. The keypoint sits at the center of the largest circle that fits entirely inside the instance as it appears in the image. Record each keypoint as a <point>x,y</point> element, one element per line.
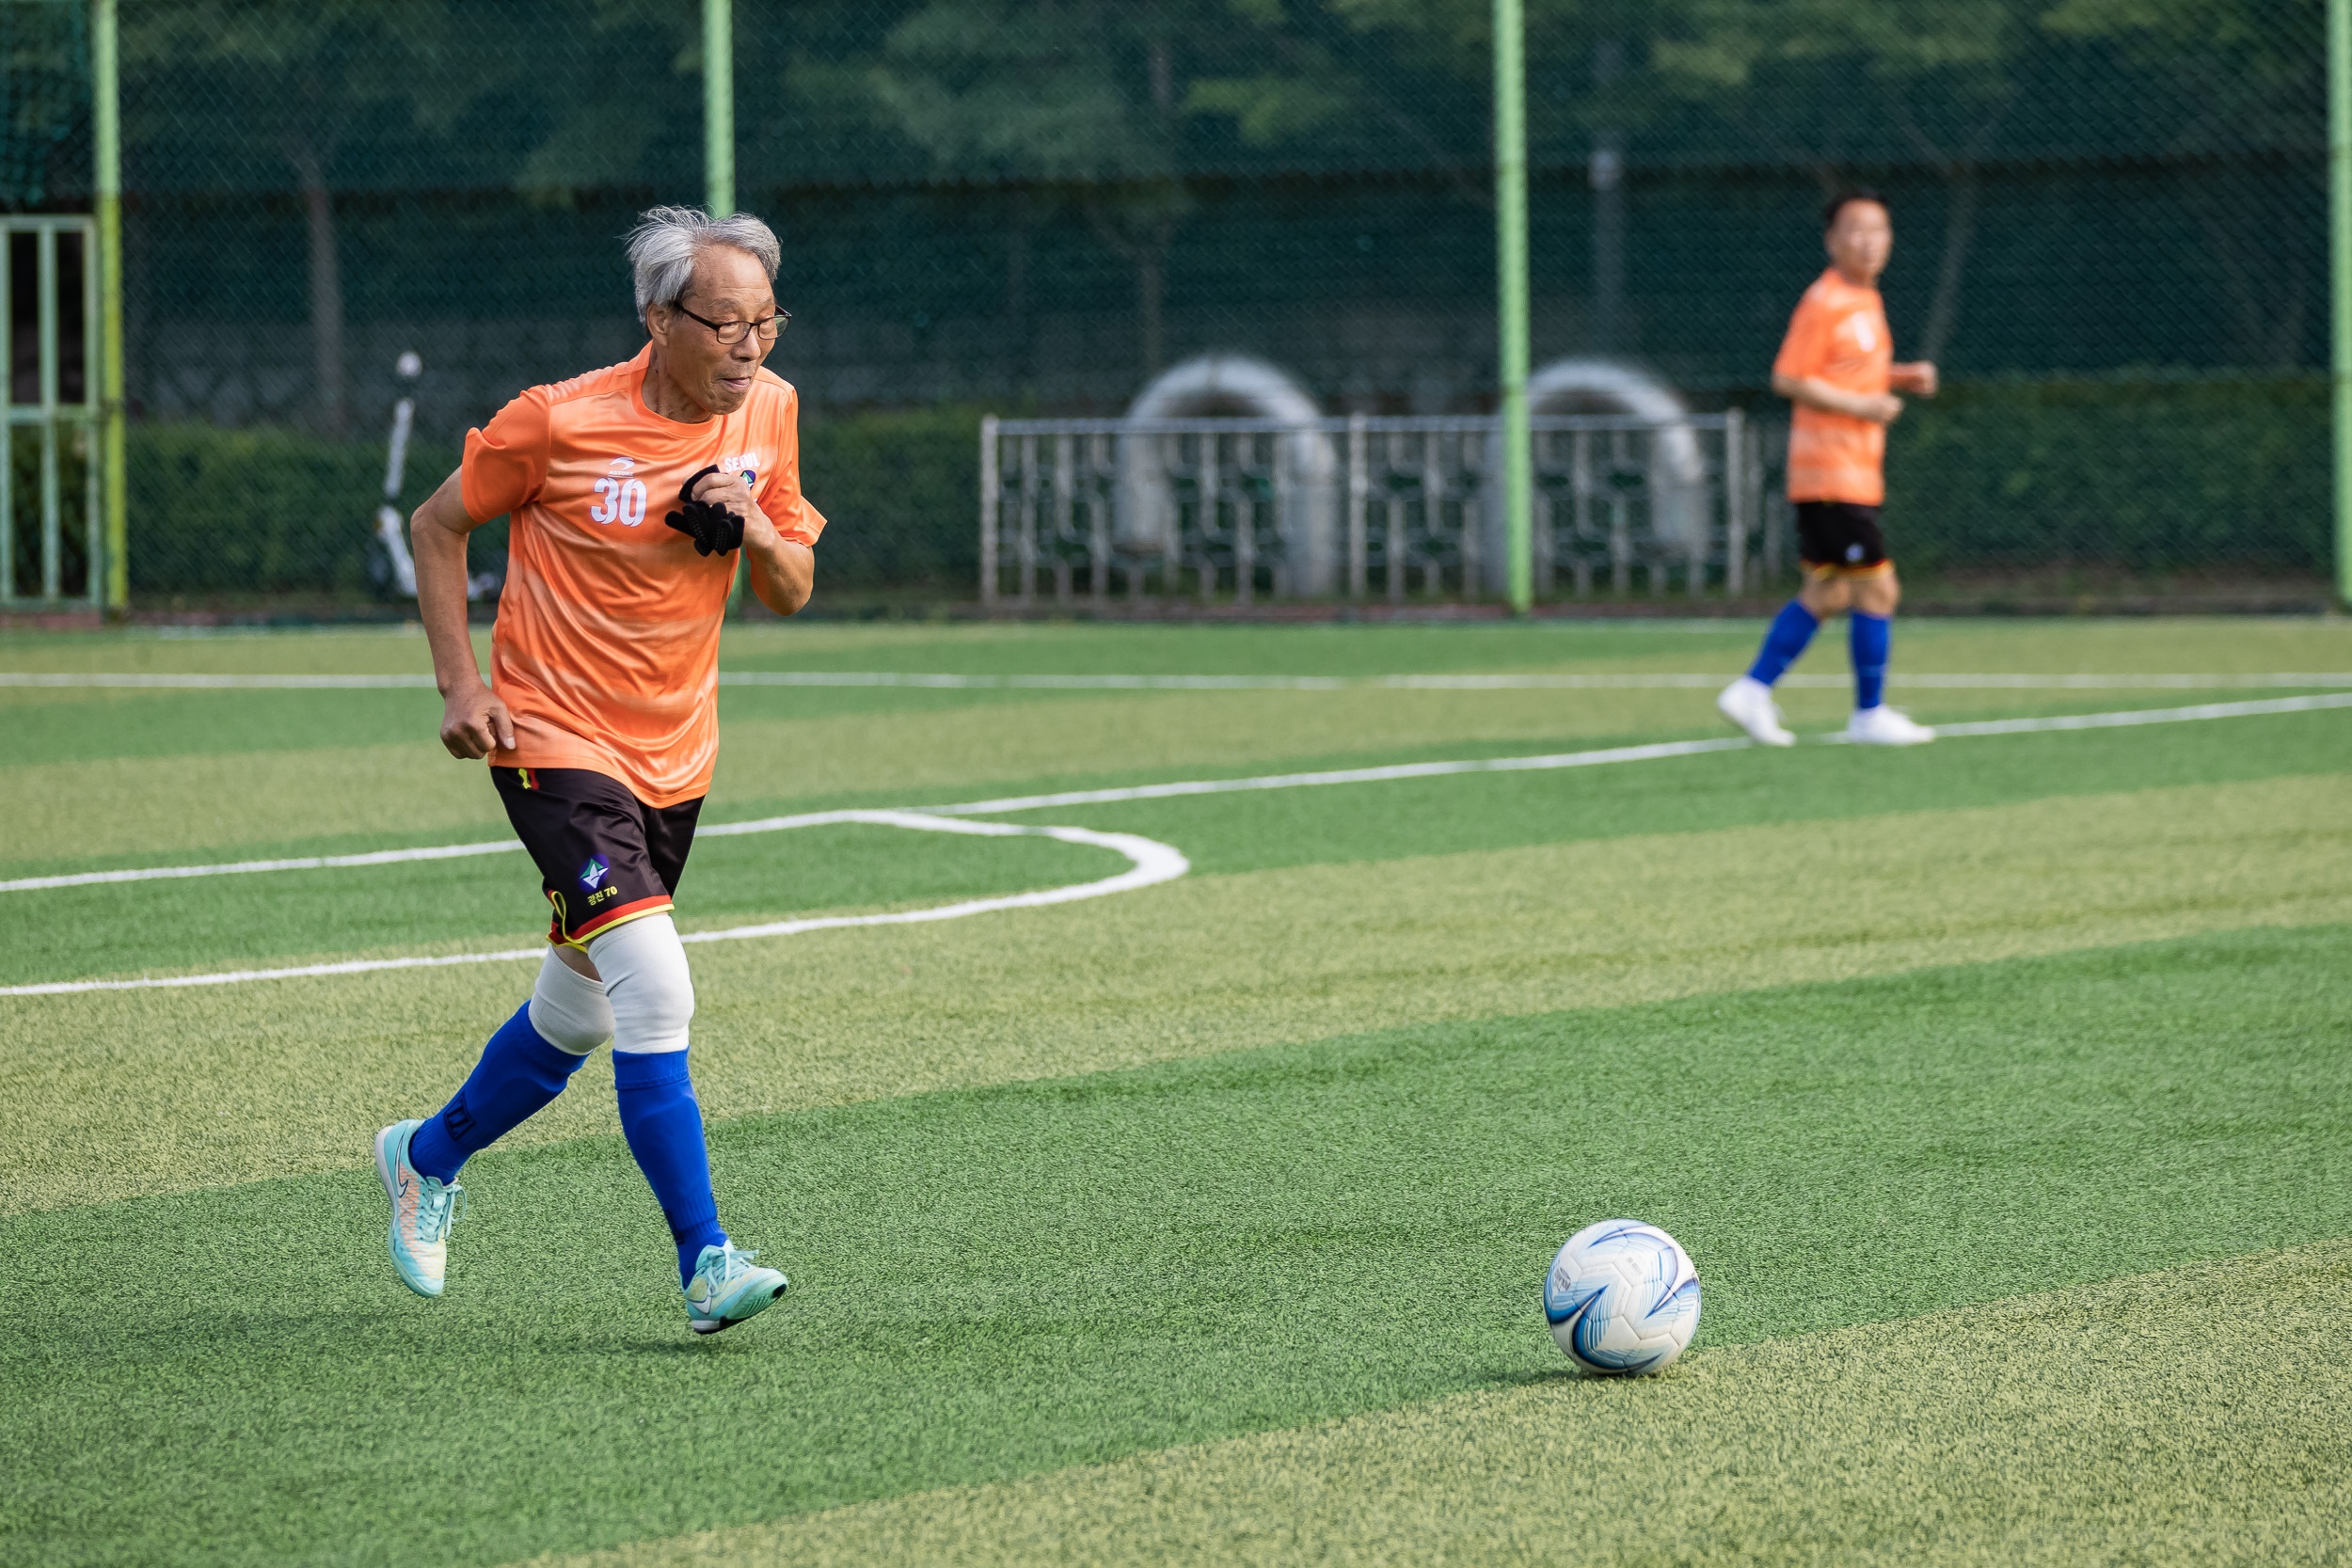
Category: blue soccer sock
<point>1791,630</point>
<point>1869,637</point>
<point>663,1123</point>
<point>520,1071</point>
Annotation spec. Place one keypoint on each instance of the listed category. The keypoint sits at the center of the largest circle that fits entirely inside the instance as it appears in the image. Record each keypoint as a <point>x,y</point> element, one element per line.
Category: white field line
<point>234,868</point>
<point>1343,776</point>
<point>1620,753</point>
<point>1150,863</point>
<point>1656,680</point>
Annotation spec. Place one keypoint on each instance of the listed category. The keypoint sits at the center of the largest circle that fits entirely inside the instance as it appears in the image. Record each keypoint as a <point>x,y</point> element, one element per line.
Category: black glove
<point>714,528</point>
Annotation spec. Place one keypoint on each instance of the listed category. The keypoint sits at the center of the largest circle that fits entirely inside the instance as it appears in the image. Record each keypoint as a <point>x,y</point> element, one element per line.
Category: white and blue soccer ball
<point>1622,1299</point>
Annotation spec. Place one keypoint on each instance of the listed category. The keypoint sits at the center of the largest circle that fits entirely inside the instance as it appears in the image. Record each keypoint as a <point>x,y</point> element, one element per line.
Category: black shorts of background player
<point>1841,539</point>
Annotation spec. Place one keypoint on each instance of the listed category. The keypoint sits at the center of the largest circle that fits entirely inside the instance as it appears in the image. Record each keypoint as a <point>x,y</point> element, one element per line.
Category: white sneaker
<point>1748,702</point>
<point>1886,726</point>
<point>726,1288</point>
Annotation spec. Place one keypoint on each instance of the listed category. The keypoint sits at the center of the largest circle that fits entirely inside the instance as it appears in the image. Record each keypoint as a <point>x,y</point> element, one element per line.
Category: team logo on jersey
<point>594,871</point>
<point>622,466</point>
<point>1866,336</point>
<point>748,464</point>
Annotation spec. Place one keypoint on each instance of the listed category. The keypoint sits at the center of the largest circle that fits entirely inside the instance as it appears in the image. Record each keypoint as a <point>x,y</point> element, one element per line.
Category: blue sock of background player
<point>1869,637</point>
<point>1790,630</point>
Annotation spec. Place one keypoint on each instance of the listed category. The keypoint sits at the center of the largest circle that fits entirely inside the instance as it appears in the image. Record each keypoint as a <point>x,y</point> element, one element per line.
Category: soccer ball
<point>1622,1299</point>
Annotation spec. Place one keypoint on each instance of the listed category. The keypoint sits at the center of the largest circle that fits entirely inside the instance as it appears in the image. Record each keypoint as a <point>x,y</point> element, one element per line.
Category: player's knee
<point>569,1010</point>
<point>648,984</point>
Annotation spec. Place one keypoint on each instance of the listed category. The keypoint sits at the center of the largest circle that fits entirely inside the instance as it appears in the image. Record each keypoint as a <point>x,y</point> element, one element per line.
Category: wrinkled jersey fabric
<point>606,650</point>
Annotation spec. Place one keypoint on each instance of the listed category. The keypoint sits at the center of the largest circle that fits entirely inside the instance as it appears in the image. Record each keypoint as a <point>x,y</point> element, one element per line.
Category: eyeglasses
<point>731,332</point>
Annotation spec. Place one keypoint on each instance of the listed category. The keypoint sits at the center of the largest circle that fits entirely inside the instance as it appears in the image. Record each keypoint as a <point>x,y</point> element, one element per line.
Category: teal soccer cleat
<point>726,1288</point>
<point>423,1212</point>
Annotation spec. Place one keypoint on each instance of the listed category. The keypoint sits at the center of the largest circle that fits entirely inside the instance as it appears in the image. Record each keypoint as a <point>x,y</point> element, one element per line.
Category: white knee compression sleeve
<point>569,1008</point>
<point>647,981</point>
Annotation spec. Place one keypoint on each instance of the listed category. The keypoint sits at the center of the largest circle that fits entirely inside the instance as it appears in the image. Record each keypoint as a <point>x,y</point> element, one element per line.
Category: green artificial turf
<point>997,1282</point>
<point>1285,1140</point>
<point>2185,1415</point>
<point>295,1074</point>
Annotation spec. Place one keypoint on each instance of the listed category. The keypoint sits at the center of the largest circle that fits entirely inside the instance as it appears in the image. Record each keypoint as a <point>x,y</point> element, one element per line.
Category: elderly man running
<point>600,722</point>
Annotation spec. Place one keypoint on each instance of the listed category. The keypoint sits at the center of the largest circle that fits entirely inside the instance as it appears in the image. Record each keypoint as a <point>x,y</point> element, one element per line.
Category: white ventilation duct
<point>1678,470</point>
<point>1235,385</point>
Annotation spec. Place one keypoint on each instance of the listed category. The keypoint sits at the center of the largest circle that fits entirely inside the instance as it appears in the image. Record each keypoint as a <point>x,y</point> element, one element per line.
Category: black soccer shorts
<point>604,856</point>
<point>1840,535</point>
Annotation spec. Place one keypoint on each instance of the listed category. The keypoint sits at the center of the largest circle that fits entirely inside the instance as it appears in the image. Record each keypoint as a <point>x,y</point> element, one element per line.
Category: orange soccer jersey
<point>606,650</point>
<point>1837,335</point>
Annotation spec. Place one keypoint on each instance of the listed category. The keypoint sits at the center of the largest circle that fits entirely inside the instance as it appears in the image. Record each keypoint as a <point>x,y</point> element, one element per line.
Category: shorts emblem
<point>593,872</point>
<point>1853,552</point>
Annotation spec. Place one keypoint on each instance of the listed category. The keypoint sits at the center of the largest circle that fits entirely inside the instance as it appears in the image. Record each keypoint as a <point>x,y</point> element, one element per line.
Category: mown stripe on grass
<point>1809,789</point>
<point>215,799</point>
<point>129,1092</point>
<point>2192,1415</point>
<point>2137,643</point>
<point>1004,1282</point>
<point>947,680</point>
<point>1443,815</point>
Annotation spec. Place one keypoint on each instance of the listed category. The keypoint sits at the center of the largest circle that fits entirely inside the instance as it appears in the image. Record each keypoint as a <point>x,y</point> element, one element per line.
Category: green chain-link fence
<point>2111,234</point>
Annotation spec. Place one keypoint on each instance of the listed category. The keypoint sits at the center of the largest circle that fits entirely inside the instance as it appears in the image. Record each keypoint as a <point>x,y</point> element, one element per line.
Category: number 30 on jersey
<point>620,501</point>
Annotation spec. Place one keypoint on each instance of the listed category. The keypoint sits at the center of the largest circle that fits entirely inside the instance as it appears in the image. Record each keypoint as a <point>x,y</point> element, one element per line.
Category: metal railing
<point>52,407</point>
<point>1366,507</point>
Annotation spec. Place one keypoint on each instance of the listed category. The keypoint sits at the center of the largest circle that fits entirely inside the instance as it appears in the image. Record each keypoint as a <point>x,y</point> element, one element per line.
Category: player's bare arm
<point>1878,408</point>
<point>473,722</point>
<point>1917,378</point>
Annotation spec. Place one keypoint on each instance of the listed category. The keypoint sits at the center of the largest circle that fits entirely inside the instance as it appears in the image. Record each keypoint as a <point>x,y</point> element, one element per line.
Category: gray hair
<point>666,241</point>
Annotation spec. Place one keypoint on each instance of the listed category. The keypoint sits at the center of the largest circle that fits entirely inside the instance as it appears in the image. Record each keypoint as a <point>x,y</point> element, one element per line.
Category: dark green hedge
<point>2143,473</point>
<point>2146,474</point>
<point>268,511</point>
<point>901,496</point>
<point>258,510</point>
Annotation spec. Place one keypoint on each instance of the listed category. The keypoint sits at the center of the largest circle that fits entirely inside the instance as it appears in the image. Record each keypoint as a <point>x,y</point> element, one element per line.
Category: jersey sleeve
<point>1804,352</point>
<point>779,494</point>
<point>506,460</point>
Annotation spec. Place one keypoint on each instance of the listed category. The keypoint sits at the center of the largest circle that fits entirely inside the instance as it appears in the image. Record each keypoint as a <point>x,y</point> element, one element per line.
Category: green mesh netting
<point>44,102</point>
<point>2111,220</point>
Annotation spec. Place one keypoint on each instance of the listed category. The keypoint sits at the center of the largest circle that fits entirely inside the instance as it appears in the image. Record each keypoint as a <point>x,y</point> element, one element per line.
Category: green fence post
<point>718,155</point>
<point>106,109</point>
<point>718,107</point>
<point>2339,269</point>
<point>1511,307</point>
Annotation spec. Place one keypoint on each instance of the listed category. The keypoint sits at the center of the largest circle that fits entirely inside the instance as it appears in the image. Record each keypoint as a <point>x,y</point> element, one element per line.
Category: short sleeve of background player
<point>779,494</point>
<point>506,460</point>
<point>1805,350</point>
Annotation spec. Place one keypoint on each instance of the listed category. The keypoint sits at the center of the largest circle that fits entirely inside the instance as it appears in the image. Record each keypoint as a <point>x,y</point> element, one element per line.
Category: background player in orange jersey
<point>1836,365</point>
<point>599,719</point>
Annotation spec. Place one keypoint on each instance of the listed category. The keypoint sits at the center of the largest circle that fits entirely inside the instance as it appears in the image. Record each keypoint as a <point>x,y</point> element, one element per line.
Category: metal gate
<point>1236,510</point>
<point>51,538</point>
